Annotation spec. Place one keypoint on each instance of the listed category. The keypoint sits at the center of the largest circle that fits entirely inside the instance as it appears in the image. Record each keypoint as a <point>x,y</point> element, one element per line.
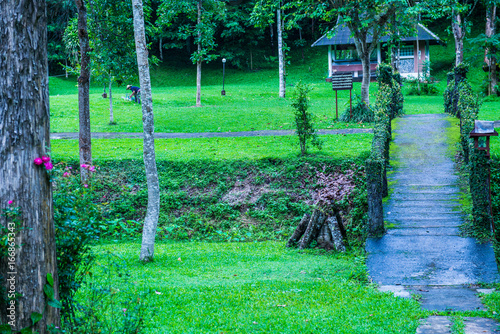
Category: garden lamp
<point>223,76</point>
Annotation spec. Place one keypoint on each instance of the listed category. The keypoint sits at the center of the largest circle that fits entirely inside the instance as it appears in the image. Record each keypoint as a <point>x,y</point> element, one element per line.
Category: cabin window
<point>406,51</point>
<point>351,55</point>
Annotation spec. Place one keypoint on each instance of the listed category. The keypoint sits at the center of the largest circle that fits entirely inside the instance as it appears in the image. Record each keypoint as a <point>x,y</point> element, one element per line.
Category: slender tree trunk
<point>281,55</point>
<point>24,136</point>
<point>271,30</point>
<point>111,118</point>
<point>153,210</point>
<point>458,34</point>
<point>83,91</point>
<point>161,48</point>
<point>301,47</point>
<point>490,60</point>
<point>251,61</point>
<point>365,83</point>
<point>198,63</point>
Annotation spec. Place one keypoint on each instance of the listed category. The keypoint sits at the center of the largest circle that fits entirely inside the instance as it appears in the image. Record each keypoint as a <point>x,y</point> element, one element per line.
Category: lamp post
<point>223,76</point>
<point>484,130</point>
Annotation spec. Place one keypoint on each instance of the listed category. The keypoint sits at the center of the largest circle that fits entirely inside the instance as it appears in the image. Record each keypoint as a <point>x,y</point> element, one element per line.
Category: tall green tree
<point>263,15</point>
<point>365,18</point>
<point>112,30</point>
<point>198,21</point>
<point>85,143</point>
<point>457,12</point>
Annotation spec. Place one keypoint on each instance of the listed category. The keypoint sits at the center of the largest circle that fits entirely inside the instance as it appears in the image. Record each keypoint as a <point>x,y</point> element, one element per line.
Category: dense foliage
<point>223,200</point>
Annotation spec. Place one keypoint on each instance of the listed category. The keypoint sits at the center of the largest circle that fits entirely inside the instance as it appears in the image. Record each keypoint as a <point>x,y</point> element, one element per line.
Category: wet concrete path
<point>423,253</point>
<point>185,135</point>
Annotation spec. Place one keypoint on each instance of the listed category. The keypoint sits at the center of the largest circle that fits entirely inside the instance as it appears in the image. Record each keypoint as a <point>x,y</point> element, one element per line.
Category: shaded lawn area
<point>335,146</point>
<point>246,107</point>
<point>260,288</point>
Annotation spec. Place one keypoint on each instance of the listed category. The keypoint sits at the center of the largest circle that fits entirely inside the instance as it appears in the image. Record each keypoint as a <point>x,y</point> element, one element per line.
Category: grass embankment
<point>261,288</point>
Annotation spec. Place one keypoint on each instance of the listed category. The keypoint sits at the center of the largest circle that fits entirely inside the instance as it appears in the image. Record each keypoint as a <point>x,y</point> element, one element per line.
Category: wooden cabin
<point>343,57</point>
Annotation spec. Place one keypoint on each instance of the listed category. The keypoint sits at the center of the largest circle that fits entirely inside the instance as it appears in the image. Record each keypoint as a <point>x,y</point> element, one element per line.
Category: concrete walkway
<point>159,135</point>
<point>423,253</point>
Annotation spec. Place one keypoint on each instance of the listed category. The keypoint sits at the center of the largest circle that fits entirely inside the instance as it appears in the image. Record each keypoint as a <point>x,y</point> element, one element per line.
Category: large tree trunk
<point>83,91</point>
<point>198,63</point>
<point>281,55</point>
<point>24,136</point>
<point>111,117</point>
<point>458,34</point>
<point>153,210</point>
<point>490,60</point>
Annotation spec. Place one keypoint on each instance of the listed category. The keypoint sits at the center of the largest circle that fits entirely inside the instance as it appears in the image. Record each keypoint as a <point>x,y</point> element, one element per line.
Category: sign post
<point>342,81</point>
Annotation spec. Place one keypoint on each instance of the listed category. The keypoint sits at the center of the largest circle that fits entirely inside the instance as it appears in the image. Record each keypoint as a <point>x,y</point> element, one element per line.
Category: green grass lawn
<point>237,148</point>
<point>251,101</point>
<point>259,288</point>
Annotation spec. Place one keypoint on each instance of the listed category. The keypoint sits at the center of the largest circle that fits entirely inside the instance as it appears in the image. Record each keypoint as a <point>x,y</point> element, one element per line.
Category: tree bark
<point>84,91</point>
<point>459,37</point>
<point>281,56</point>
<point>365,81</point>
<point>111,118</point>
<point>374,169</point>
<point>490,60</point>
<point>198,63</point>
<point>153,209</point>
<point>24,135</point>
<point>161,48</point>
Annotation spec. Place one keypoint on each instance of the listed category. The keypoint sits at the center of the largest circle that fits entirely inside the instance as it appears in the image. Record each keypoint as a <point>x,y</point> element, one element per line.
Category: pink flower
<point>70,167</point>
<point>92,168</point>
<point>48,165</point>
<point>10,202</point>
<point>66,174</point>
<point>38,161</point>
<point>45,158</point>
<point>86,185</point>
<point>124,310</point>
<point>83,166</point>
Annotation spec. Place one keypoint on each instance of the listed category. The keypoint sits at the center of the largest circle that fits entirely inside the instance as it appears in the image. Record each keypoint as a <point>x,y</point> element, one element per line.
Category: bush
<point>428,86</point>
<point>361,112</point>
<point>304,118</point>
<point>424,84</point>
<point>75,218</point>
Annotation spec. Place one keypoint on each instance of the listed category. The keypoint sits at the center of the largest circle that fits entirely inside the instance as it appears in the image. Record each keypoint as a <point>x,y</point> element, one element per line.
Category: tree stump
<point>327,230</point>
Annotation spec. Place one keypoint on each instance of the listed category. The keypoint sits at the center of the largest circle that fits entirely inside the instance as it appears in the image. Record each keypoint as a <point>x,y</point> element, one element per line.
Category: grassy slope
<point>262,287</point>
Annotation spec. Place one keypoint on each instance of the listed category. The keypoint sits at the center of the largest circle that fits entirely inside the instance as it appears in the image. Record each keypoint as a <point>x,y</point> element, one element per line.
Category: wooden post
<point>336,105</point>
<point>350,101</point>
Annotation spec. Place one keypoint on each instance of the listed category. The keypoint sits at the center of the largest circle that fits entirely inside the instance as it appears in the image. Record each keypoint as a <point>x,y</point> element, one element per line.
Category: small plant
<point>361,112</point>
<point>110,302</point>
<point>303,118</point>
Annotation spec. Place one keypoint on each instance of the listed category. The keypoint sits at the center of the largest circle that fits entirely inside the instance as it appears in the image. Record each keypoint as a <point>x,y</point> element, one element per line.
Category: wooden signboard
<point>342,81</point>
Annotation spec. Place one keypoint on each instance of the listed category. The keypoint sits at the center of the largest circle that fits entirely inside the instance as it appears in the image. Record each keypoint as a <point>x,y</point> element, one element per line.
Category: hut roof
<point>341,35</point>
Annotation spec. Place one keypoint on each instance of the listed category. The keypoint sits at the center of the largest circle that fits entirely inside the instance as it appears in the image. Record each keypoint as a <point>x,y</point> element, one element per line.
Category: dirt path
<point>110,135</point>
<point>423,253</point>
